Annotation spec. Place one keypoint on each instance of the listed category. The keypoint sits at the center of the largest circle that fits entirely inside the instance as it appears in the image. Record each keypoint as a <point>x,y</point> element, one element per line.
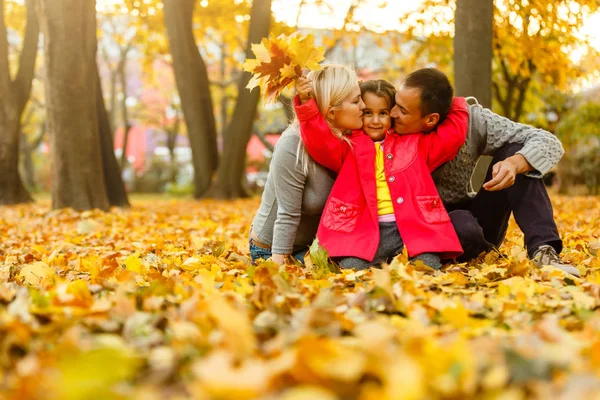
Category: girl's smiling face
<point>376,116</point>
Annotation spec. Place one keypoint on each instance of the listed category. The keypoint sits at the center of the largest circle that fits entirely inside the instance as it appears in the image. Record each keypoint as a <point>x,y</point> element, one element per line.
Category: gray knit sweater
<point>487,133</point>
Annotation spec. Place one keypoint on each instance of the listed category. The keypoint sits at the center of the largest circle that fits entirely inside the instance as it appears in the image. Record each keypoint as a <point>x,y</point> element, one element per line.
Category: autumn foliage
<point>279,61</point>
<point>161,300</point>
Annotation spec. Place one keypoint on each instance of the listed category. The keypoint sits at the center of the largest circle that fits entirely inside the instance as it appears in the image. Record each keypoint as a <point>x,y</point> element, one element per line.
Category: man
<point>521,154</point>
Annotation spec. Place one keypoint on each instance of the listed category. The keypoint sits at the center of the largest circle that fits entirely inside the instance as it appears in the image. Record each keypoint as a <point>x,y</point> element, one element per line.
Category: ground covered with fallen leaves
<point>161,301</point>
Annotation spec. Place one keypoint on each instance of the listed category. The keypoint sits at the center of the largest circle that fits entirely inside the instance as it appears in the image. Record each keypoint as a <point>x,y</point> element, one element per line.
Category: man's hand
<point>304,89</point>
<point>505,172</point>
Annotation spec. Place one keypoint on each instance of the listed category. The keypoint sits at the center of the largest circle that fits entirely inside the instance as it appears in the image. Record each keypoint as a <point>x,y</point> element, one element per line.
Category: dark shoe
<point>429,259</point>
<point>546,255</point>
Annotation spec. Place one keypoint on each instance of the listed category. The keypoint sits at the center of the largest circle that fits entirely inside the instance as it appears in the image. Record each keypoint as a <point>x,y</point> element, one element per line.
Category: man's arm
<point>505,172</point>
<point>541,150</point>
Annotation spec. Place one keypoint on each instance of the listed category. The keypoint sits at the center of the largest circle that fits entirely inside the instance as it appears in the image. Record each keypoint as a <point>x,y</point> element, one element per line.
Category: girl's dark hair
<point>380,88</point>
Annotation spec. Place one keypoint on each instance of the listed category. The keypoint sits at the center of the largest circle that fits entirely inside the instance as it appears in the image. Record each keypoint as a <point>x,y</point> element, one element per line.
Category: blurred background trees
<point>154,98</point>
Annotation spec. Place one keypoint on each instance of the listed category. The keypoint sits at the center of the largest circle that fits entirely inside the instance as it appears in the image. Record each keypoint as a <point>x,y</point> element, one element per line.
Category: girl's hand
<point>304,89</point>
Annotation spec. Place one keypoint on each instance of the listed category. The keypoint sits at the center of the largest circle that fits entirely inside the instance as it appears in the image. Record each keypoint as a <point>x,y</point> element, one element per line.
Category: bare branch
<point>264,141</point>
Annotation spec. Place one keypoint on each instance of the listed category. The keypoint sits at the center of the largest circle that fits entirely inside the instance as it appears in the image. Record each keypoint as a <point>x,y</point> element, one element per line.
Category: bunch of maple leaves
<point>280,61</point>
<point>161,301</point>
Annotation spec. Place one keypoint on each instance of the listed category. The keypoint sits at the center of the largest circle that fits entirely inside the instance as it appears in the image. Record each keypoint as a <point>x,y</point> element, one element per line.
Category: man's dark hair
<point>436,90</point>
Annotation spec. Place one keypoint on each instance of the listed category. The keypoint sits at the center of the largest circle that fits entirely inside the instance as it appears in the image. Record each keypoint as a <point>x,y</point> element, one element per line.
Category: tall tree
<point>14,95</point>
<point>71,83</point>
<point>474,24</point>
<point>115,188</point>
<point>229,183</point>
<point>192,80</point>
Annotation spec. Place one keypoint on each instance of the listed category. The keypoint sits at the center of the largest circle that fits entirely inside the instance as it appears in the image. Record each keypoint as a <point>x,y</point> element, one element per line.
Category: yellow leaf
<point>237,328</point>
<point>93,374</point>
<point>219,378</point>
<point>261,53</point>
<point>305,392</point>
<point>404,379</point>
<point>35,273</point>
<point>250,64</point>
<point>328,358</point>
<point>287,71</point>
<point>133,263</point>
<point>457,315</point>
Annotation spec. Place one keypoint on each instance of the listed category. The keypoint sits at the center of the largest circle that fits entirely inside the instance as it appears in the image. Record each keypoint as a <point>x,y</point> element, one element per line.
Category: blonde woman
<point>297,188</point>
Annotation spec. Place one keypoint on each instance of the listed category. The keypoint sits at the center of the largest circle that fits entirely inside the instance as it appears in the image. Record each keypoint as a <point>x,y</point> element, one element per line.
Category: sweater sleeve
<point>541,149</point>
<point>441,145</point>
<point>321,144</point>
<point>289,180</point>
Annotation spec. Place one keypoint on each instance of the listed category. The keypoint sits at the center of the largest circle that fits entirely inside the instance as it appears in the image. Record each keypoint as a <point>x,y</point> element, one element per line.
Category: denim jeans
<point>258,252</point>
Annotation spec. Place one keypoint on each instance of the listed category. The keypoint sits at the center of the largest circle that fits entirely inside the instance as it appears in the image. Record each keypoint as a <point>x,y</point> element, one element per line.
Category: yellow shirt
<point>384,199</point>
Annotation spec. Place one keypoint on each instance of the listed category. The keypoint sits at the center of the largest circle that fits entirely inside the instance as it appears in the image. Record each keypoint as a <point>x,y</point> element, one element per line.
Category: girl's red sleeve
<point>442,145</point>
<point>321,144</point>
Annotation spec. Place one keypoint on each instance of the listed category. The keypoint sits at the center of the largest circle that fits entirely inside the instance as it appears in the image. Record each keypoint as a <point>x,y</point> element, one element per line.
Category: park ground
<point>161,300</point>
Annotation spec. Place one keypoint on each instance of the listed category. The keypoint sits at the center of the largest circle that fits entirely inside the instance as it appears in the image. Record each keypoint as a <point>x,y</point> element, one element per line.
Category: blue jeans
<point>257,252</point>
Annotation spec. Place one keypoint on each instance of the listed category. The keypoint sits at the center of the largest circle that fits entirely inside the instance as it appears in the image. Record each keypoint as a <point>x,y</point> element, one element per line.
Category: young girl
<point>384,196</point>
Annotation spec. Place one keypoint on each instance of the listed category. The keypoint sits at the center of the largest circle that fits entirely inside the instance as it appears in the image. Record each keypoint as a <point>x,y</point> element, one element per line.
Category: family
<point>369,169</point>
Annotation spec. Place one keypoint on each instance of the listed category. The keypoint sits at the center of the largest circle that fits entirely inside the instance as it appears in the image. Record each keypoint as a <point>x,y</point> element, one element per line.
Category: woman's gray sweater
<point>293,200</point>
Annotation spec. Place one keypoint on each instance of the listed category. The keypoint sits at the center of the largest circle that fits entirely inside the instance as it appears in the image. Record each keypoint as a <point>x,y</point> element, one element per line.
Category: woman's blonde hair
<point>330,87</point>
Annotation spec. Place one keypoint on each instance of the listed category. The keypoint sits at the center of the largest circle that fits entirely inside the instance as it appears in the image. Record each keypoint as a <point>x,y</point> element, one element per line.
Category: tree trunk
<point>27,150</point>
<point>473,49</point>
<point>113,181</point>
<point>71,83</point>
<point>473,60</point>
<point>192,81</point>
<point>225,97</point>
<point>13,98</point>
<point>113,102</point>
<point>124,114</point>
<point>172,133</point>
<point>229,183</point>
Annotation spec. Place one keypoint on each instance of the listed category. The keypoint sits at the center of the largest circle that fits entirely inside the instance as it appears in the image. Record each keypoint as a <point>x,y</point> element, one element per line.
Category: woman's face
<point>348,116</point>
<point>376,116</point>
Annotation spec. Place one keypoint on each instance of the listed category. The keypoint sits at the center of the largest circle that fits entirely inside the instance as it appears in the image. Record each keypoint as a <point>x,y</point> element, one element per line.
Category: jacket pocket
<point>432,209</point>
<point>340,215</point>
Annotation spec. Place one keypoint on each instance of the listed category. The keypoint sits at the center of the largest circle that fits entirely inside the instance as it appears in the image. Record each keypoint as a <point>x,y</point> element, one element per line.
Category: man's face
<point>407,111</point>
